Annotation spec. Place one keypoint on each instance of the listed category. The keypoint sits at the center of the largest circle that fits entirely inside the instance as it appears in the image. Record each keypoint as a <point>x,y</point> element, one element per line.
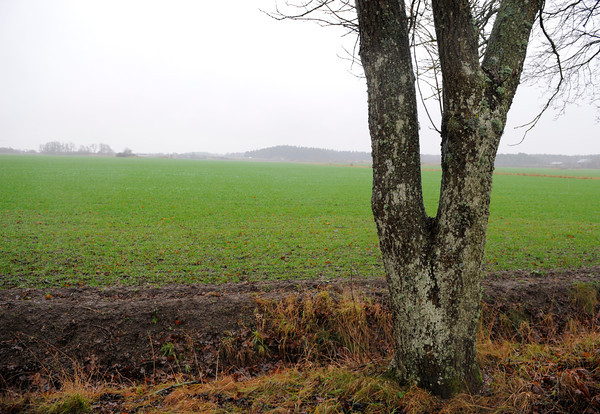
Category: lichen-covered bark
<point>433,265</point>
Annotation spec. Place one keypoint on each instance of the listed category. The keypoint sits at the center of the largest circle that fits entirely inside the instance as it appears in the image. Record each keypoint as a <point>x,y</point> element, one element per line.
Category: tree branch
<point>535,120</point>
<point>457,47</point>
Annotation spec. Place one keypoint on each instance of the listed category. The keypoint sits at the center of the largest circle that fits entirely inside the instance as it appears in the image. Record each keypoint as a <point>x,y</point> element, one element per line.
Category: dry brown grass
<point>334,351</point>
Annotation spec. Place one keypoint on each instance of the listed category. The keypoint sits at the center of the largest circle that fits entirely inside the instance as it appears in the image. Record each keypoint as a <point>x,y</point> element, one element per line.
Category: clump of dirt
<point>122,334</point>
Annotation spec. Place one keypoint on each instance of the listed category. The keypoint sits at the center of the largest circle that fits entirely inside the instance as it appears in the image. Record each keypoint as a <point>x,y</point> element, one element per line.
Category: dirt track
<point>125,333</point>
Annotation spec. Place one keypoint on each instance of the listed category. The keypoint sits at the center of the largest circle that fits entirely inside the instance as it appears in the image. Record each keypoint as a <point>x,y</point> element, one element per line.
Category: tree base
<point>469,382</point>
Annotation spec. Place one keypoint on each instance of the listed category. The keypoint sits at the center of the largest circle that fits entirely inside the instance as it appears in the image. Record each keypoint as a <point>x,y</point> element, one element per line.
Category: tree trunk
<point>433,265</point>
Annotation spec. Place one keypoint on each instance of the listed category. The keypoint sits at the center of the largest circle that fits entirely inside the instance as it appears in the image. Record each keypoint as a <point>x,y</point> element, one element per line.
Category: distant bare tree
<point>127,152</point>
<point>57,147</point>
<point>84,150</point>
<point>105,149</point>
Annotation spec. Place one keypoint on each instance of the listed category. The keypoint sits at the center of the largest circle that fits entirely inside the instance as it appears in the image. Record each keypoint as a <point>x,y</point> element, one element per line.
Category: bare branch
<point>557,90</point>
<point>324,12</point>
<point>566,54</point>
<point>571,30</point>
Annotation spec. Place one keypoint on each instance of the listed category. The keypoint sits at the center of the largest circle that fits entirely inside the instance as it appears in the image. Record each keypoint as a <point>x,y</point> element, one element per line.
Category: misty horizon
<point>169,78</point>
<point>86,150</point>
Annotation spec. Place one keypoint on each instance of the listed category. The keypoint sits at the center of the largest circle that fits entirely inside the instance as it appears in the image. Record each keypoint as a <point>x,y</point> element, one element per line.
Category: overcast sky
<point>181,76</point>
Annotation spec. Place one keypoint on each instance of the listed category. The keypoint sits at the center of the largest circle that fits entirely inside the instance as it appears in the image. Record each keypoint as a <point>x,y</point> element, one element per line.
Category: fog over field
<point>216,77</point>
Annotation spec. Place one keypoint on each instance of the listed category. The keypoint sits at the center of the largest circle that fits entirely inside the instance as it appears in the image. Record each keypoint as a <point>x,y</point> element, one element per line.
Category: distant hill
<point>287,153</point>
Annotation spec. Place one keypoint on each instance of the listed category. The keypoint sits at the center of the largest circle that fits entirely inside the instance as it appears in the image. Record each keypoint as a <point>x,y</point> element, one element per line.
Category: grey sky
<point>189,75</point>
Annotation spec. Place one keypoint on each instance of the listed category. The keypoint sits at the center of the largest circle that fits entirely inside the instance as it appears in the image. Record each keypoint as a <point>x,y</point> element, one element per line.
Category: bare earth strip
<point>127,333</point>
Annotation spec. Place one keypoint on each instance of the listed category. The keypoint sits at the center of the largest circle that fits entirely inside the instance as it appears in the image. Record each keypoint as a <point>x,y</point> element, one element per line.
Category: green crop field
<point>106,221</point>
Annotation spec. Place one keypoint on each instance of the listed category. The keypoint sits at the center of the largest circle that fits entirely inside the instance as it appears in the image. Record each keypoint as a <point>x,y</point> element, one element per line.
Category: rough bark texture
<point>433,265</point>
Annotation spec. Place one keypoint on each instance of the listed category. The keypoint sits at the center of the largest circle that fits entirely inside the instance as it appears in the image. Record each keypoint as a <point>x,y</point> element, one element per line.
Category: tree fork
<point>433,265</point>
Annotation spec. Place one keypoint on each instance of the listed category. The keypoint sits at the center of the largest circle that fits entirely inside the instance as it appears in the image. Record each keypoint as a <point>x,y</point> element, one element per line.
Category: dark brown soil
<point>126,333</point>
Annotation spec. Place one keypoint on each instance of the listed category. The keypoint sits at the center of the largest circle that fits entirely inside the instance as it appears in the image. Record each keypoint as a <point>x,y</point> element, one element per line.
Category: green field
<point>105,221</point>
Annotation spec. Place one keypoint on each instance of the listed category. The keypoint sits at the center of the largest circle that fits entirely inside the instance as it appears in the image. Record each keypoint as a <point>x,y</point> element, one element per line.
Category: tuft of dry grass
<point>306,328</point>
<point>585,296</point>
<point>73,397</point>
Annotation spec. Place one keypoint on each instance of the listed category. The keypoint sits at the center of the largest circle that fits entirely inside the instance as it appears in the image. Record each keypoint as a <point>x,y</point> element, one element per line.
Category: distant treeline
<point>68,148</point>
<point>534,161</point>
<point>287,153</point>
<point>6,150</point>
<point>303,154</point>
<point>548,161</point>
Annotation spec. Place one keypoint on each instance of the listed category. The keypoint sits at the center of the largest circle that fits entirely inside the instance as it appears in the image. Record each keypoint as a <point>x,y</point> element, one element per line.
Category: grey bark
<point>433,264</point>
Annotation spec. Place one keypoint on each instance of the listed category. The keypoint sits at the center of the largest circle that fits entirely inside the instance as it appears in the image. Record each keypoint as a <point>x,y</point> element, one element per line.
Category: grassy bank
<point>332,356</point>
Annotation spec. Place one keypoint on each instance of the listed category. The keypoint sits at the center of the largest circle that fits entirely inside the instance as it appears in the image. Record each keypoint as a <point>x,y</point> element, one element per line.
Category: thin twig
<point>535,120</point>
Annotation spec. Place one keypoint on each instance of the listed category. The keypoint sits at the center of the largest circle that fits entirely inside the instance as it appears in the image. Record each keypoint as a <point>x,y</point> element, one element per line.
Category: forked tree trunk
<point>433,265</point>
